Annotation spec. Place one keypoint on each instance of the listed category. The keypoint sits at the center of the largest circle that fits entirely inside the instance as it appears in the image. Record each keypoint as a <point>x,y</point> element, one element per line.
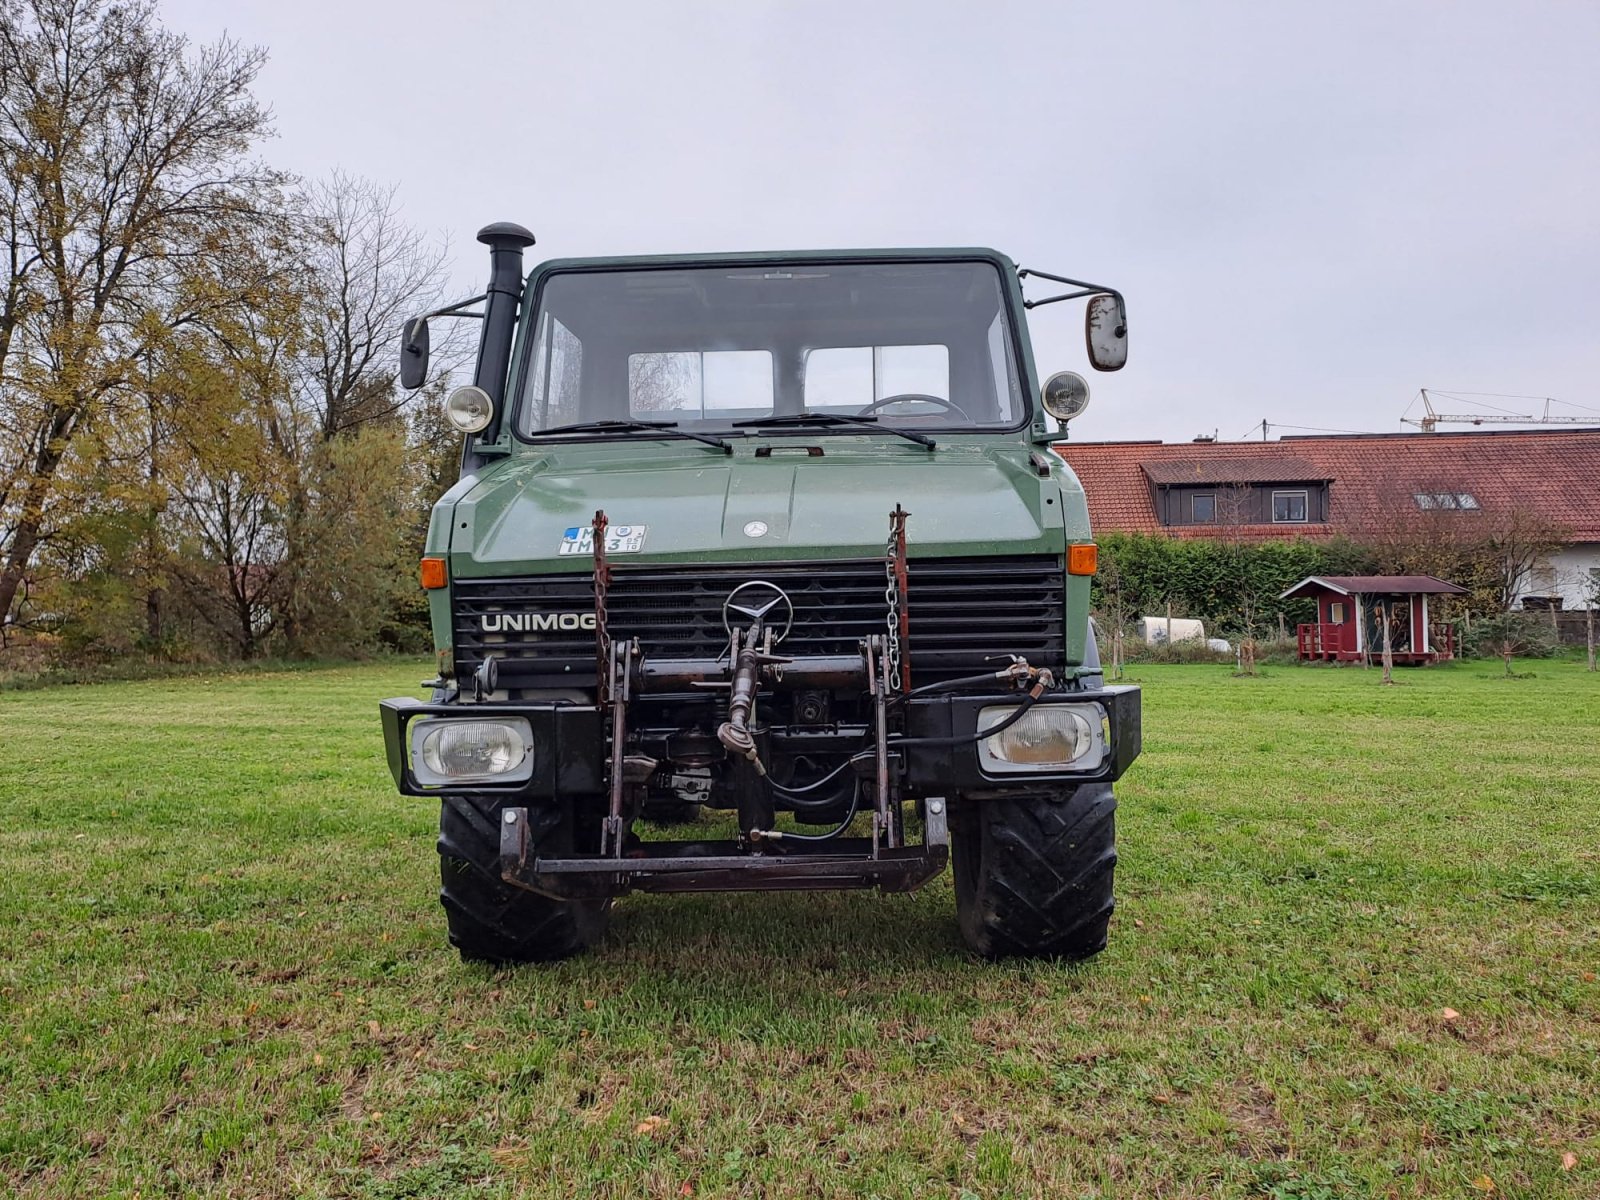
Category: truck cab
<point>774,535</point>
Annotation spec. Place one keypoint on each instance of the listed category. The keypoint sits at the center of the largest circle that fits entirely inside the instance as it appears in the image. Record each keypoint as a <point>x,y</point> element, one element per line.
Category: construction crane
<point>1430,419</point>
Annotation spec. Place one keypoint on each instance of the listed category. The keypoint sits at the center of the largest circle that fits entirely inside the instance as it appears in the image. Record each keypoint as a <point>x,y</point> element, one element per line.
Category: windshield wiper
<point>910,435</point>
<point>664,428</point>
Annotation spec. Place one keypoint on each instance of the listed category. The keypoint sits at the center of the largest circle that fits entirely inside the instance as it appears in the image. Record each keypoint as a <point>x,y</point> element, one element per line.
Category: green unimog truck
<point>779,534</point>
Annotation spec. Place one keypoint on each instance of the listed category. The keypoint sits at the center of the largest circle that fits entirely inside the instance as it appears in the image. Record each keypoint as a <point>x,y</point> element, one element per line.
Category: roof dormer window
<point>1288,508</point>
<point>1460,501</point>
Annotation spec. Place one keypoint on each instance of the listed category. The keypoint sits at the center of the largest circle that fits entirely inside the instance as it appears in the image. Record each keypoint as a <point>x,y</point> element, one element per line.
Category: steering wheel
<point>914,398</point>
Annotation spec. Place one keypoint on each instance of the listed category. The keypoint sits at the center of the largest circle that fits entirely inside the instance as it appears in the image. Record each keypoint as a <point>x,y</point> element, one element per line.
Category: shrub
<point>1512,635</point>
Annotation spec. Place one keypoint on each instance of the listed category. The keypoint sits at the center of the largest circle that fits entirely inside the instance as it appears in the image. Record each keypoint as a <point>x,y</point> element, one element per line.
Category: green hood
<point>965,498</point>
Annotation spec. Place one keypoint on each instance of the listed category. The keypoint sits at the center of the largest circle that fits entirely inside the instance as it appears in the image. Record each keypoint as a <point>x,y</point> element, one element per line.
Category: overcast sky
<point>1313,210</point>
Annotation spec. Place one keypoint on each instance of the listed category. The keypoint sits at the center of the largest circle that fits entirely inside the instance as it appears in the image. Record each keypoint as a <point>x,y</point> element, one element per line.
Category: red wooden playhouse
<point>1352,611</point>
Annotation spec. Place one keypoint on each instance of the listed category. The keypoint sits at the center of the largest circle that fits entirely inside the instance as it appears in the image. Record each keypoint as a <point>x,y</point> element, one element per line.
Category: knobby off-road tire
<point>1033,871</point>
<point>489,920</point>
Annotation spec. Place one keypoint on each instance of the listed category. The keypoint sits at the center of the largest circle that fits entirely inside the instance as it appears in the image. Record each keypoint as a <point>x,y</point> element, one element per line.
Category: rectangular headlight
<point>453,750</point>
<point>1048,737</point>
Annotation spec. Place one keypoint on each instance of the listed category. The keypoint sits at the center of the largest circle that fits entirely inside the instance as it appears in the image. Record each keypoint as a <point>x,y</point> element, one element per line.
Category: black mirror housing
<point>414,353</point>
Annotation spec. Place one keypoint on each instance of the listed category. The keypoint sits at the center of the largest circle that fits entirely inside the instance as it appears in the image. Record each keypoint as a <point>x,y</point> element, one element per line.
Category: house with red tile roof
<point>1323,485</point>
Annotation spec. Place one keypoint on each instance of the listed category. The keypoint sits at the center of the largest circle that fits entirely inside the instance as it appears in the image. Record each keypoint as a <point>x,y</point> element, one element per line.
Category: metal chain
<point>891,596</point>
<point>604,668</point>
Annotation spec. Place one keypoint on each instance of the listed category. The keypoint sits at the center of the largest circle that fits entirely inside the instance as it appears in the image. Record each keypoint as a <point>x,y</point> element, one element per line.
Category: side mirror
<point>414,353</point>
<point>1106,330</point>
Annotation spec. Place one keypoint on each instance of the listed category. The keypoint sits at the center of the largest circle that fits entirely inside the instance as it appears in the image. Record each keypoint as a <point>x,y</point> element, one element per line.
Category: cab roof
<point>764,257</point>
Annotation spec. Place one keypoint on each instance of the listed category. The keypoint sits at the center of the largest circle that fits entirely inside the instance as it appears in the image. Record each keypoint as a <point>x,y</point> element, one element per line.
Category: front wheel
<point>491,921</point>
<point>1033,871</point>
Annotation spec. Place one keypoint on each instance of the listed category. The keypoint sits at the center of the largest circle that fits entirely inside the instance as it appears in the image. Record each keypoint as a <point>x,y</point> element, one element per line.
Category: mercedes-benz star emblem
<point>761,601</point>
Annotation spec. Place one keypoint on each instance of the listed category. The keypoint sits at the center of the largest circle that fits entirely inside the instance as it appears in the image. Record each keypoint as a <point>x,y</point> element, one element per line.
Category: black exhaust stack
<point>506,242</point>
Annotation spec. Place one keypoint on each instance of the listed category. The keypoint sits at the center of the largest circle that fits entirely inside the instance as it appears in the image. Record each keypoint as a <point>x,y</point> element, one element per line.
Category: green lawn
<point>223,972</point>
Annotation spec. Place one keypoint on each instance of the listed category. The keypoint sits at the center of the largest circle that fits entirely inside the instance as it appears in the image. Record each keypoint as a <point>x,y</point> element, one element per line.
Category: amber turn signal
<point>435,576</point>
<point>1083,558</point>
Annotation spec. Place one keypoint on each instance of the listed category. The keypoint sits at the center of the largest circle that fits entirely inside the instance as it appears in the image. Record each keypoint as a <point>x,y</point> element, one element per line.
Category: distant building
<point>1325,485</point>
<point>1355,611</point>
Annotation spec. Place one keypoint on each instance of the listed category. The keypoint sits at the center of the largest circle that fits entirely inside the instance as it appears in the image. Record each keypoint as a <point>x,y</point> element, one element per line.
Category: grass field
<point>223,973</point>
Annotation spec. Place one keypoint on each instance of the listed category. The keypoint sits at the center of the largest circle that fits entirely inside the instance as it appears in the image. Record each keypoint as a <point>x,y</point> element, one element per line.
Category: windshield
<point>923,346</point>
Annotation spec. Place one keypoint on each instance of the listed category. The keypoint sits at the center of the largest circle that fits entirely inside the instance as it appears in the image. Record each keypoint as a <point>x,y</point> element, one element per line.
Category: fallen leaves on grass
<point>1484,1184</point>
<point>649,1126</point>
<point>1449,1014</point>
<point>1568,1161</point>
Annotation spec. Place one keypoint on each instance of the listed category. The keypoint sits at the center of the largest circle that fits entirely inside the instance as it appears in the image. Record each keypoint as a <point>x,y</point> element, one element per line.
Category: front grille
<point>963,612</point>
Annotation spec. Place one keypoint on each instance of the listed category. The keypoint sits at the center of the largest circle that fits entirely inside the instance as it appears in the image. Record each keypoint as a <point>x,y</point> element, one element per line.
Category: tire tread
<point>488,919</point>
<point>1035,872</point>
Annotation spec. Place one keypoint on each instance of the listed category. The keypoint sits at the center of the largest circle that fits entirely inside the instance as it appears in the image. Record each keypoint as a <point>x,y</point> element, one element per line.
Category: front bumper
<point>949,761</point>
<point>570,749</point>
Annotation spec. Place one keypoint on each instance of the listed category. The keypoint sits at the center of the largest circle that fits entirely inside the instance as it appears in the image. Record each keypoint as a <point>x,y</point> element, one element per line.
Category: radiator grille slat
<point>964,611</point>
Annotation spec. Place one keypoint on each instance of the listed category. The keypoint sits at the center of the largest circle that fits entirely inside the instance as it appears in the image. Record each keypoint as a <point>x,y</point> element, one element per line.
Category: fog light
<point>449,751</point>
<point>1048,737</point>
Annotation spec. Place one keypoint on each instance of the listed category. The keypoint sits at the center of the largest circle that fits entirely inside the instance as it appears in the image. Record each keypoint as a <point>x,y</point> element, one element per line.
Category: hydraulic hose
<point>962,739</point>
<point>831,776</point>
<point>951,685</point>
<point>850,815</point>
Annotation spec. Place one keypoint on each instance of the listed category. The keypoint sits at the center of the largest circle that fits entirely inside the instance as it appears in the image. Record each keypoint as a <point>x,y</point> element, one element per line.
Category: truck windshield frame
<point>924,344</point>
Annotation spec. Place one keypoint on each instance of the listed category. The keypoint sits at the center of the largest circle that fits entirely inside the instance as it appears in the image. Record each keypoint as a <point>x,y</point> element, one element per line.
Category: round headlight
<point>469,409</point>
<point>1065,395</point>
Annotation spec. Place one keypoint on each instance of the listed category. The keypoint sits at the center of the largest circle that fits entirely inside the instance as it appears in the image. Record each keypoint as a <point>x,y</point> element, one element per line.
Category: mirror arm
<point>454,310</point>
<point>1087,289</point>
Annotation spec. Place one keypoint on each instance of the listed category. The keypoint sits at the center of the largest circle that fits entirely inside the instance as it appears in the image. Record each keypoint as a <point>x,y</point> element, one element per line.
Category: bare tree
<point>1234,511</point>
<point>660,382</point>
<point>1591,601</point>
<point>1588,626</point>
<point>1386,615</point>
<point>122,158</point>
<point>1113,607</point>
<point>1516,542</point>
<point>367,271</point>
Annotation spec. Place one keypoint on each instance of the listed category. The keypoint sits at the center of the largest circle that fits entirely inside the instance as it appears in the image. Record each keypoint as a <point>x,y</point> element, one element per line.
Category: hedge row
<point>1218,582</point>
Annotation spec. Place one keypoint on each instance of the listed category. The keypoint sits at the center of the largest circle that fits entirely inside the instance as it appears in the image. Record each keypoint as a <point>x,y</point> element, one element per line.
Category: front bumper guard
<point>726,866</point>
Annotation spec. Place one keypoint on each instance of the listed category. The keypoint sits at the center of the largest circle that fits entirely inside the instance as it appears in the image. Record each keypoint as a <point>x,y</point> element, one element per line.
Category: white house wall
<point>1566,574</point>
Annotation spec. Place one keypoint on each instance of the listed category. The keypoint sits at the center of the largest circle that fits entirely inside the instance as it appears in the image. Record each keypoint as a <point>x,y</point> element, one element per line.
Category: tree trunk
<point>29,530</point>
<point>23,543</point>
<point>1388,648</point>
<point>152,619</point>
<point>247,628</point>
<point>1588,622</point>
<point>152,549</point>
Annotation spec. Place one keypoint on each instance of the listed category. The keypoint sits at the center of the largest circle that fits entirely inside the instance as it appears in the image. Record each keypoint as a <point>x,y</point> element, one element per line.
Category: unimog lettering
<point>859,626</point>
<point>535,622</point>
